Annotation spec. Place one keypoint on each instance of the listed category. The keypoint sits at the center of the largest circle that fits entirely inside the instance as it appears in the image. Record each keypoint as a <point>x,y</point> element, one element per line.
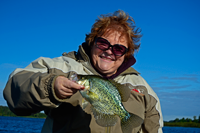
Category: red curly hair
<point>118,21</point>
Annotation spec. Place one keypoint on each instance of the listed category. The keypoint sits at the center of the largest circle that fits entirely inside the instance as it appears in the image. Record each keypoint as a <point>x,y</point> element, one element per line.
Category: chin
<point>106,72</point>
<point>103,69</point>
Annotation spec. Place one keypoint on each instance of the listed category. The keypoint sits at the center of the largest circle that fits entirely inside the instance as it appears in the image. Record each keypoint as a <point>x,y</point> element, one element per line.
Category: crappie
<point>105,97</point>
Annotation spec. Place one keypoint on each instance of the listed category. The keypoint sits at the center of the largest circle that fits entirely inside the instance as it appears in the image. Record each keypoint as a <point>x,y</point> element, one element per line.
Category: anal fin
<point>133,122</point>
<point>104,120</point>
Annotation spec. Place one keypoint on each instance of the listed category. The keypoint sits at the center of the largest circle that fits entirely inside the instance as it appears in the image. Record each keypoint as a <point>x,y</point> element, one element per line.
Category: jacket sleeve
<point>30,90</point>
<point>153,121</point>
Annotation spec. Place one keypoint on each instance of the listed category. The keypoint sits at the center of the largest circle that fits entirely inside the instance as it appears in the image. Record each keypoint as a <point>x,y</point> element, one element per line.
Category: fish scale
<point>105,97</point>
<point>108,89</point>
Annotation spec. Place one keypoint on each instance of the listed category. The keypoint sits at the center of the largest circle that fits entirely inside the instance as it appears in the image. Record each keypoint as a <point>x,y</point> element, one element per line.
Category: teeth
<point>106,58</point>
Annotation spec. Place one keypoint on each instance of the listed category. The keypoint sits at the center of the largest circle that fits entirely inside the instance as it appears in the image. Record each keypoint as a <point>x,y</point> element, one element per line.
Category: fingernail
<point>82,87</point>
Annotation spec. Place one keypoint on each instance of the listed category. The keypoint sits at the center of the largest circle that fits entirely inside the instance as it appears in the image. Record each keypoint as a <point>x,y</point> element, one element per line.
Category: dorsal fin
<point>123,90</point>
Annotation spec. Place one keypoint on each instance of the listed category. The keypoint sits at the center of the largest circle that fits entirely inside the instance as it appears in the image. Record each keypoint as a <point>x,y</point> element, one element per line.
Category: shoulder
<point>63,63</point>
<point>71,54</point>
<point>136,81</point>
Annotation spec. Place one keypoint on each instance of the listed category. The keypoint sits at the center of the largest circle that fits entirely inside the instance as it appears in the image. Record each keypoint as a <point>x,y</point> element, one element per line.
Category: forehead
<point>115,37</point>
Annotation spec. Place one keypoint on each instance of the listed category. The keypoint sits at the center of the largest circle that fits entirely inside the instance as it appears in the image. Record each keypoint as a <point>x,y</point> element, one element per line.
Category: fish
<point>106,97</point>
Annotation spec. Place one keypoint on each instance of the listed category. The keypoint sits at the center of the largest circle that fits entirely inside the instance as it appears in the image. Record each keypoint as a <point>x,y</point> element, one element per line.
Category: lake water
<point>34,125</point>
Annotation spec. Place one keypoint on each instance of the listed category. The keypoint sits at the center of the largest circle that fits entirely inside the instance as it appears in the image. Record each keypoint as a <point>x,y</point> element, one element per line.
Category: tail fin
<point>134,121</point>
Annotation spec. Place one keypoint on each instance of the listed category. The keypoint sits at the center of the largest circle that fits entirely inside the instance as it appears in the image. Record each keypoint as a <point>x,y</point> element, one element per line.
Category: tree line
<point>184,122</point>
<point>5,111</point>
<point>187,119</point>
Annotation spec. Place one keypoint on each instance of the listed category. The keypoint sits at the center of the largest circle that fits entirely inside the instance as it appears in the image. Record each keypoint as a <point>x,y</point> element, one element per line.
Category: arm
<point>153,122</point>
<point>153,118</point>
<point>31,90</point>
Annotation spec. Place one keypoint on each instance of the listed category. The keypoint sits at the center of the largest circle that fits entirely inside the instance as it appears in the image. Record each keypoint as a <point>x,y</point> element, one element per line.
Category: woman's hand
<point>64,87</point>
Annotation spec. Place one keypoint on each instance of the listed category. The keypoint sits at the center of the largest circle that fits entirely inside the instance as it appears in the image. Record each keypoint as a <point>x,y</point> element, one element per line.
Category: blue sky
<point>168,58</point>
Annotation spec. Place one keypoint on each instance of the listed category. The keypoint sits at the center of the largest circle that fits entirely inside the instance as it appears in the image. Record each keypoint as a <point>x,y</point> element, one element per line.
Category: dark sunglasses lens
<point>119,50</point>
<point>102,44</point>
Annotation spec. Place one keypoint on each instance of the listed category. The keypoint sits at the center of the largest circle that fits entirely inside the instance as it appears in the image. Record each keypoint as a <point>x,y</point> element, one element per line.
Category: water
<point>20,125</point>
<point>34,125</point>
<point>181,130</point>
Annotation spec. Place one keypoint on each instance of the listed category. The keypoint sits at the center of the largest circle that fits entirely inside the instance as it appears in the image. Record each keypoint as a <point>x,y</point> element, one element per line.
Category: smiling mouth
<point>107,58</point>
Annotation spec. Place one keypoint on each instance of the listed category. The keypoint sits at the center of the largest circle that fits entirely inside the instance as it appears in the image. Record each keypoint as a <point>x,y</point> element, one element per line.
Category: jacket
<point>30,90</point>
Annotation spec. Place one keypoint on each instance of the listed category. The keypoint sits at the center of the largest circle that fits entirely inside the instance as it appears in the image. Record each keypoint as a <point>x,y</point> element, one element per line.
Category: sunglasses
<point>117,49</point>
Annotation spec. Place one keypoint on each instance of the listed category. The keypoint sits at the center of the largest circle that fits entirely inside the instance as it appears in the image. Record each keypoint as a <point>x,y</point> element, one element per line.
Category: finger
<point>67,91</point>
<point>64,96</point>
<point>64,92</point>
<point>73,85</point>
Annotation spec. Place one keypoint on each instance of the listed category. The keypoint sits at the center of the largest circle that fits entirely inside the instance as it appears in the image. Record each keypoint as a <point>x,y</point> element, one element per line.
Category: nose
<point>109,51</point>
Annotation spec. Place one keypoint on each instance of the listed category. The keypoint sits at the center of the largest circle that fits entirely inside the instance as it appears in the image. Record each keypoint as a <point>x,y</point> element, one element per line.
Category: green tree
<point>199,119</point>
<point>195,119</point>
<point>188,120</point>
<point>182,120</point>
<point>176,120</point>
<point>5,111</point>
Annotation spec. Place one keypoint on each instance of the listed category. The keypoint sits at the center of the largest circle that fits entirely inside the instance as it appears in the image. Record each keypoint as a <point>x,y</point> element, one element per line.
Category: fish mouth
<point>84,83</point>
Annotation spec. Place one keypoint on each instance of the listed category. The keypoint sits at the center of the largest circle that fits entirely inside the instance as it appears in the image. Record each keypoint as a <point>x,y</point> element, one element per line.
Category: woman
<point>108,52</point>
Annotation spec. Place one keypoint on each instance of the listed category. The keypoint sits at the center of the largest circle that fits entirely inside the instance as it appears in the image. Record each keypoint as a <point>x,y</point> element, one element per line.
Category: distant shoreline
<point>25,117</point>
<point>184,122</point>
<point>5,111</point>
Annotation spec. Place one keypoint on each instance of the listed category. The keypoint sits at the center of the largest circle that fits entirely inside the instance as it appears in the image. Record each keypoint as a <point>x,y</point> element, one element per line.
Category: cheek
<point>95,54</point>
<point>120,61</point>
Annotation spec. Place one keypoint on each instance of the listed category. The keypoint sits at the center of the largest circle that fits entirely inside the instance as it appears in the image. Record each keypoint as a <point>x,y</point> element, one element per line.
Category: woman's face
<point>106,62</point>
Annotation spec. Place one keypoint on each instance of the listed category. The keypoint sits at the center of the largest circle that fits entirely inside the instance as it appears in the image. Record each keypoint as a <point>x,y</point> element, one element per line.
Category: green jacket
<point>30,90</point>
